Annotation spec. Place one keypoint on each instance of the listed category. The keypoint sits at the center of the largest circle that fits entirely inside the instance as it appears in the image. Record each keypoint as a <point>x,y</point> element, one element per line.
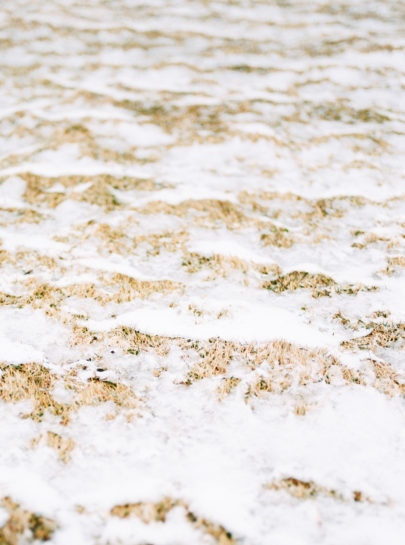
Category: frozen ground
<point>202,272</point>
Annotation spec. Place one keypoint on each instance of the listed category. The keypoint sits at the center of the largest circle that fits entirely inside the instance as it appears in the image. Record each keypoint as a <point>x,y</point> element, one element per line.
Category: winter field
<point>202,272</point>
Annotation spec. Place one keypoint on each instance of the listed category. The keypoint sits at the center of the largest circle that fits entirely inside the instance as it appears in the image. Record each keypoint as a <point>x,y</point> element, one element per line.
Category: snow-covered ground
<point>202,272</point>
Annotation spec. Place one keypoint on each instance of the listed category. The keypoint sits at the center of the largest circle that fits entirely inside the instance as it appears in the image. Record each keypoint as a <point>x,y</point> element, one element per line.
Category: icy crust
<point>202,273</point>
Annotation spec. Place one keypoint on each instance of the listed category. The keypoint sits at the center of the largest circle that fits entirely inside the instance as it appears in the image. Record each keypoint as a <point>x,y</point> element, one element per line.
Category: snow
<point>29,336</point>
<point>248,323</point>
<point>11,192</point>
<point>237,121</point>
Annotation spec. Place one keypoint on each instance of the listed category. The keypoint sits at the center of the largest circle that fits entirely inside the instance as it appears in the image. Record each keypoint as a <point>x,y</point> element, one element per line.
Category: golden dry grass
<point>310,211</point>
<point>299,372</point>
<point>205,212</point>
<point>4,255</point>
<point>194,123</point>
<point>88,144</point>
<point>156,512</point>
<point>146,511</point>
<point>320,284</point>
<point>279,237</point>
<point>226,386</point>
<point>336,111</point>
<point>12,216</point>
<point>129,288</point>
<point>62,445</point>
<point>394,264</point>
<point>286,366</point>
<point>222,266</point>
<point>386,378</point>
<point>382,334</point>
<point>33,261</point>
<point>372,238</point>
<point>135,342</point>
<point>24,526</point>
<point>315,220</point>
<point>35,383</point>
<point>98,192</point>
<point>303,490</point>
<point>214,358</point>
<point>31,382</point>
<point>110,288</point>
<point>97,391</point>
<point>119,240</point>
<point>289,365</point>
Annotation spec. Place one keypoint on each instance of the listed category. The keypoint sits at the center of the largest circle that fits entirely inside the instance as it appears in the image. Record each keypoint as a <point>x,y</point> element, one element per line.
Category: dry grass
<point>324,139</point>
<point>24,526</point>
<point>346,322</point>
<point>12,216</point>
<point>310,211</point>
<point>222,265</point>
<point>226,386</point>
<point>214,358</point>
<point>110,288</point>
<point>156,512</point>
<point>99,191</point>
<point>215,355</point>
<point>279,237</point>
<point>125,338</point>
<point>194,123</point>
<point>118,239</point>
<point>97,391</point>
<point>4,256</point>
<point>386,379</point>
<point>38,190</point>
<point>82,336</point>
<point>31,382</point>
<point>63,446</point>
<point>303,490</point>
<point>87,142</point>
<point>205,212</point>
<point>372,238</point>
<point>288,365</point>
<point>301,372</point>
<point>146,511</point>
<point>129,288</point>
<point>336,111</point>
<point>135,342</point>
<point>212,213</point>
<point>394,264</point>
<point>281,367</point>
<point>169,241</point>
<point>35,383</point>
<point>33,262</point>
<point>314,220</point>
<point>320,284</point>
<point>383,334</point>
<point>113,239</point>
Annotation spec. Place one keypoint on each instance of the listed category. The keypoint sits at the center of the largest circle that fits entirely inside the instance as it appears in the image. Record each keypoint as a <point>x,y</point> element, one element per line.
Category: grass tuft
<point>24,525</point>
